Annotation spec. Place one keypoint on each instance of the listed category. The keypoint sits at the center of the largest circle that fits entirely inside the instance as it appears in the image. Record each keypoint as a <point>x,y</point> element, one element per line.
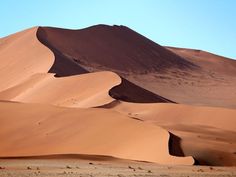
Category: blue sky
<point>202,24</point>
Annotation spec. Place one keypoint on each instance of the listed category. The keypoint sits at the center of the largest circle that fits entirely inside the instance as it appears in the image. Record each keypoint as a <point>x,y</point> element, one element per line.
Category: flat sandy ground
<point>108,167</point>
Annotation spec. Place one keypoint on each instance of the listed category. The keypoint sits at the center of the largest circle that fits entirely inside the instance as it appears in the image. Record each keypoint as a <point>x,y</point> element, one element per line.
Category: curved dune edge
<point>44,130</point>
<point>85,90</point>
<point>22,55</point>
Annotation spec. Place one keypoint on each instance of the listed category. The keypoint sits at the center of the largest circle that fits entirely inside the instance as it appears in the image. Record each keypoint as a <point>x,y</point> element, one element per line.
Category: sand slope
<point>43,130</point>
<point>103,47</point>
<point>207,133</point>
<point>86,90</point>
<point>22,55</point>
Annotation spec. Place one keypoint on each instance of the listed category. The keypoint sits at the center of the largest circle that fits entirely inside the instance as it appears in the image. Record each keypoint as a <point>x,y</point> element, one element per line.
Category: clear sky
<point>202,24</point>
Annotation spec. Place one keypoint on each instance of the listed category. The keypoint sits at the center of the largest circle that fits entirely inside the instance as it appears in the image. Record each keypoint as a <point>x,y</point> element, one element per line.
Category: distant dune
<point>206,60</point>
<point>109,91</point>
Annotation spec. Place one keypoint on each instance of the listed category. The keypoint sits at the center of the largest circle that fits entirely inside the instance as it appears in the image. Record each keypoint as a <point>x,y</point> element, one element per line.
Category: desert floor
<point>85,167</point>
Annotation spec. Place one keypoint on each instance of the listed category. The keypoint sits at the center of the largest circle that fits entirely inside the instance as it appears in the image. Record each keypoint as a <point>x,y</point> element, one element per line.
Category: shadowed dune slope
<point>207,133</point>
<point>22,55</point>
<point>127,91</point>
<point>117,48</point>
<point>86,90</point>
<point>44,130</point>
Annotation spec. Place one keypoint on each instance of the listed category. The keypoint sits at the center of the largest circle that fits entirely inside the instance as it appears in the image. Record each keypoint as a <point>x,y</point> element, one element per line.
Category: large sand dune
<point>33,129</point>
<point>45,70</point>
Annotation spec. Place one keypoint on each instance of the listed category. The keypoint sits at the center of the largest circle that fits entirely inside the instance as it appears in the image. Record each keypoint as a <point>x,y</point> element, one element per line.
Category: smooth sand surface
<point>86,90</point>
<point>22,55</point>
<point>42,130</point>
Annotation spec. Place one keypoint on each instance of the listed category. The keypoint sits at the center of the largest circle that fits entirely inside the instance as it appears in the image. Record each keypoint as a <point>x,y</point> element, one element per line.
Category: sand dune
<point>51,67</point>
<point>207,133</point>
<point>86,90</point>
<point>202,80</point>
<point>43,130</point>
<point>22,55</point>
